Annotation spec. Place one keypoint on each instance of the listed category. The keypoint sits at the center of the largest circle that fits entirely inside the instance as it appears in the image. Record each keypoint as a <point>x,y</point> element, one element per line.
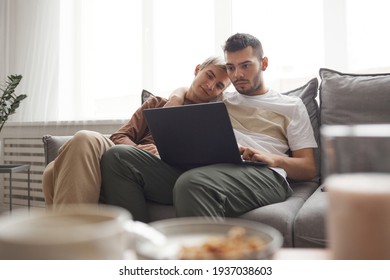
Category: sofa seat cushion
<point>282,215</point>
<point>310,222</point>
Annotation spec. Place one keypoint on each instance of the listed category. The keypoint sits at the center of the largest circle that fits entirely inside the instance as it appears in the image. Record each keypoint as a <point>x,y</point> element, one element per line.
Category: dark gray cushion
<point>344,99</point>
<point>308,94</point>
<point>354,98</point>
<point>145,95</point>
<point>282,215</point>
<point>310,222</point>
<point>51,145</point>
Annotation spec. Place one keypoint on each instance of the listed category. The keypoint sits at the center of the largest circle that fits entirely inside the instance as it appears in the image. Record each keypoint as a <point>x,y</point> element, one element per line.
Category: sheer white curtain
<point>31,49</point>
<point>100,59</point>
<point>90,59</point>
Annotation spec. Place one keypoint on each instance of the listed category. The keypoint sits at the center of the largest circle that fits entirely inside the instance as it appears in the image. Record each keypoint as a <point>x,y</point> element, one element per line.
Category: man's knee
<point>118,151</point>
<point>189,184</point>
<point>87,136</point>
<point>194,195</point>
<point>110,155</point>
<point>116,154</point>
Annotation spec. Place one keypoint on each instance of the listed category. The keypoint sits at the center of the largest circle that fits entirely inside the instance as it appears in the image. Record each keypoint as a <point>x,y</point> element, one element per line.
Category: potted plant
<point>9,100</point>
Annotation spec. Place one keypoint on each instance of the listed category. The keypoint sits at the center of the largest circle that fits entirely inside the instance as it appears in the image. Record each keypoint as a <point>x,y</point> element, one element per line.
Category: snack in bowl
<point>237,244</point>
<point>207,238</point>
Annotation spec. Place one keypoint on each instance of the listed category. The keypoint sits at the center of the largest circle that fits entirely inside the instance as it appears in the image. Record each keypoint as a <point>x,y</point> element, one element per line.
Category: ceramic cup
<point>356,170</point>
<point>75,232</point>
<point>359,216</point>
<point>355,148</point>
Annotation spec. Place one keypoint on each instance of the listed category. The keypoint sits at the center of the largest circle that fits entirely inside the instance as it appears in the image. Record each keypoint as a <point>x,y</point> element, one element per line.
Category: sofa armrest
<point>51,146</point>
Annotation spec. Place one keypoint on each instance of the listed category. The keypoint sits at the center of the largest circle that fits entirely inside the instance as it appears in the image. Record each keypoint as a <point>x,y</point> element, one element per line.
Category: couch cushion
<point>310,223</point>
<point>347,99</point>
<point>308,94</point>
<point>354,98</point>
<point>282,215</point>
<point>145,95</point>
<point>344,99</point>
<point>51,145</point>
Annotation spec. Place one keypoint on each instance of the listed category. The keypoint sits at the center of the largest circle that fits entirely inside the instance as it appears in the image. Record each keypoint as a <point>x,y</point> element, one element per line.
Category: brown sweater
<point>136,130</point>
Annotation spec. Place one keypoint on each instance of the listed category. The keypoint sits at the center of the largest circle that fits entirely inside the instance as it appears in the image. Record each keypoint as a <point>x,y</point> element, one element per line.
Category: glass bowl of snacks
<point>209,239</point>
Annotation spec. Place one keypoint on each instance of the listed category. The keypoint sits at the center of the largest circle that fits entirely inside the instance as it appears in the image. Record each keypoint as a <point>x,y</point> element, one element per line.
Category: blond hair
<point>214,60</point>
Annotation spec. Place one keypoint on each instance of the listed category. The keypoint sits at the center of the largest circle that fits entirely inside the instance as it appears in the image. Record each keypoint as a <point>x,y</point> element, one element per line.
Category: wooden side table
<point>16,168</point>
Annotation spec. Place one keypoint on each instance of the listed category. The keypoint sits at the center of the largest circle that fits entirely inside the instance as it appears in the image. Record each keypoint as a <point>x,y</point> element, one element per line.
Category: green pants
<point>131,176</point>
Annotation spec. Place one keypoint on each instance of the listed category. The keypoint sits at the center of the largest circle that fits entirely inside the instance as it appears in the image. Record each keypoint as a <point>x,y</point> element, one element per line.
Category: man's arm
<point>177,97</point>
<point>299,167</point>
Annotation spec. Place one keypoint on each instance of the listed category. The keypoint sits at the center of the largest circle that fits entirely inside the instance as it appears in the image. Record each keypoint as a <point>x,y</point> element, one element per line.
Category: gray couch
<point>344,99</point>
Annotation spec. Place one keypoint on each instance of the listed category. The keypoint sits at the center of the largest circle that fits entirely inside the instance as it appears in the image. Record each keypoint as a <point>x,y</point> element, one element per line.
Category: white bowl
<point>195,231</point>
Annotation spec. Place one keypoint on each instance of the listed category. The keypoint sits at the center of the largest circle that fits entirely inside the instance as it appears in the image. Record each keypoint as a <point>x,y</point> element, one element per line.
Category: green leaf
<point>9,101</point>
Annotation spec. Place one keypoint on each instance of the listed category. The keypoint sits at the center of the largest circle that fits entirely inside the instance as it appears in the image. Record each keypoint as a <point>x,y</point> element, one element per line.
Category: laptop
<point>194,135</point>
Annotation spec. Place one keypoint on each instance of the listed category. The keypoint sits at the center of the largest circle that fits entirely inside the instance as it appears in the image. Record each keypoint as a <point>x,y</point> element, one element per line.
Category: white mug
<point>359,215</point>
<point>76,232</point>
<point>356,169</point>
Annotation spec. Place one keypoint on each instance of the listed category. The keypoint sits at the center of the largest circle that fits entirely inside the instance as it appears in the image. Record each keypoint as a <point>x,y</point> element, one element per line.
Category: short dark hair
<point>240,41</point>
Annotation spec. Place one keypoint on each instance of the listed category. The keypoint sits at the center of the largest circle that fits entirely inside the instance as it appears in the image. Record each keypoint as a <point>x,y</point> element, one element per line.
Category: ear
<point>197,69</point>
<point>264,63</point>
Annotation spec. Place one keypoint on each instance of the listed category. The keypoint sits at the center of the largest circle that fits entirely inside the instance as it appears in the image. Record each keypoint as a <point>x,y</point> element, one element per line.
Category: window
<point>111,50</point>
<point>90,60</point>
<point>291,34</point>
<point>367,41</point>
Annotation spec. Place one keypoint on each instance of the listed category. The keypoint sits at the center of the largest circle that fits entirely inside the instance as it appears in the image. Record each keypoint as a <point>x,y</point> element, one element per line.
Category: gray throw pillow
<point>354,98</point>
<point>308,94</point>
<point>145,95</point>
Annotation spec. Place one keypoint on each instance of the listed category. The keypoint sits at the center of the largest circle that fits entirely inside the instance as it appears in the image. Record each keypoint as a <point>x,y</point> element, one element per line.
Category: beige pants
<point>74,176</point>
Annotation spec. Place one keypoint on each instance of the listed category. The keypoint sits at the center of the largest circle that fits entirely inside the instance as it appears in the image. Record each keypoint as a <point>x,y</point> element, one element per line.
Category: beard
<point>256,85</point>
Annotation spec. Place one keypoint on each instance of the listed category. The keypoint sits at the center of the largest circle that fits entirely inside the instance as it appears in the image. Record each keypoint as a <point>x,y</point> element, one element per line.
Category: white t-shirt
<point>271,122</point>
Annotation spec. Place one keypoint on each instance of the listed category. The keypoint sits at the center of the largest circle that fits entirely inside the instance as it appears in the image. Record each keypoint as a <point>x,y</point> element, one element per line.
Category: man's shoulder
<point>272,96</point>
<point>228,94</point>
<point>286,99</point>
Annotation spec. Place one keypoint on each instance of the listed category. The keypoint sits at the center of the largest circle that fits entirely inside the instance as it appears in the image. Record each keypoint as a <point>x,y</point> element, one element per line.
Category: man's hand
<point>255,155</point>
<point>300,166</point>
<point>149,147</point>
<point>177,97</point>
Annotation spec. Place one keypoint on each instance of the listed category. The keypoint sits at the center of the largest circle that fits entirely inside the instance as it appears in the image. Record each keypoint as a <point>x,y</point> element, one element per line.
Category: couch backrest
<point>350,99</point>
<point>354,98</point>
<point>51,145</point>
